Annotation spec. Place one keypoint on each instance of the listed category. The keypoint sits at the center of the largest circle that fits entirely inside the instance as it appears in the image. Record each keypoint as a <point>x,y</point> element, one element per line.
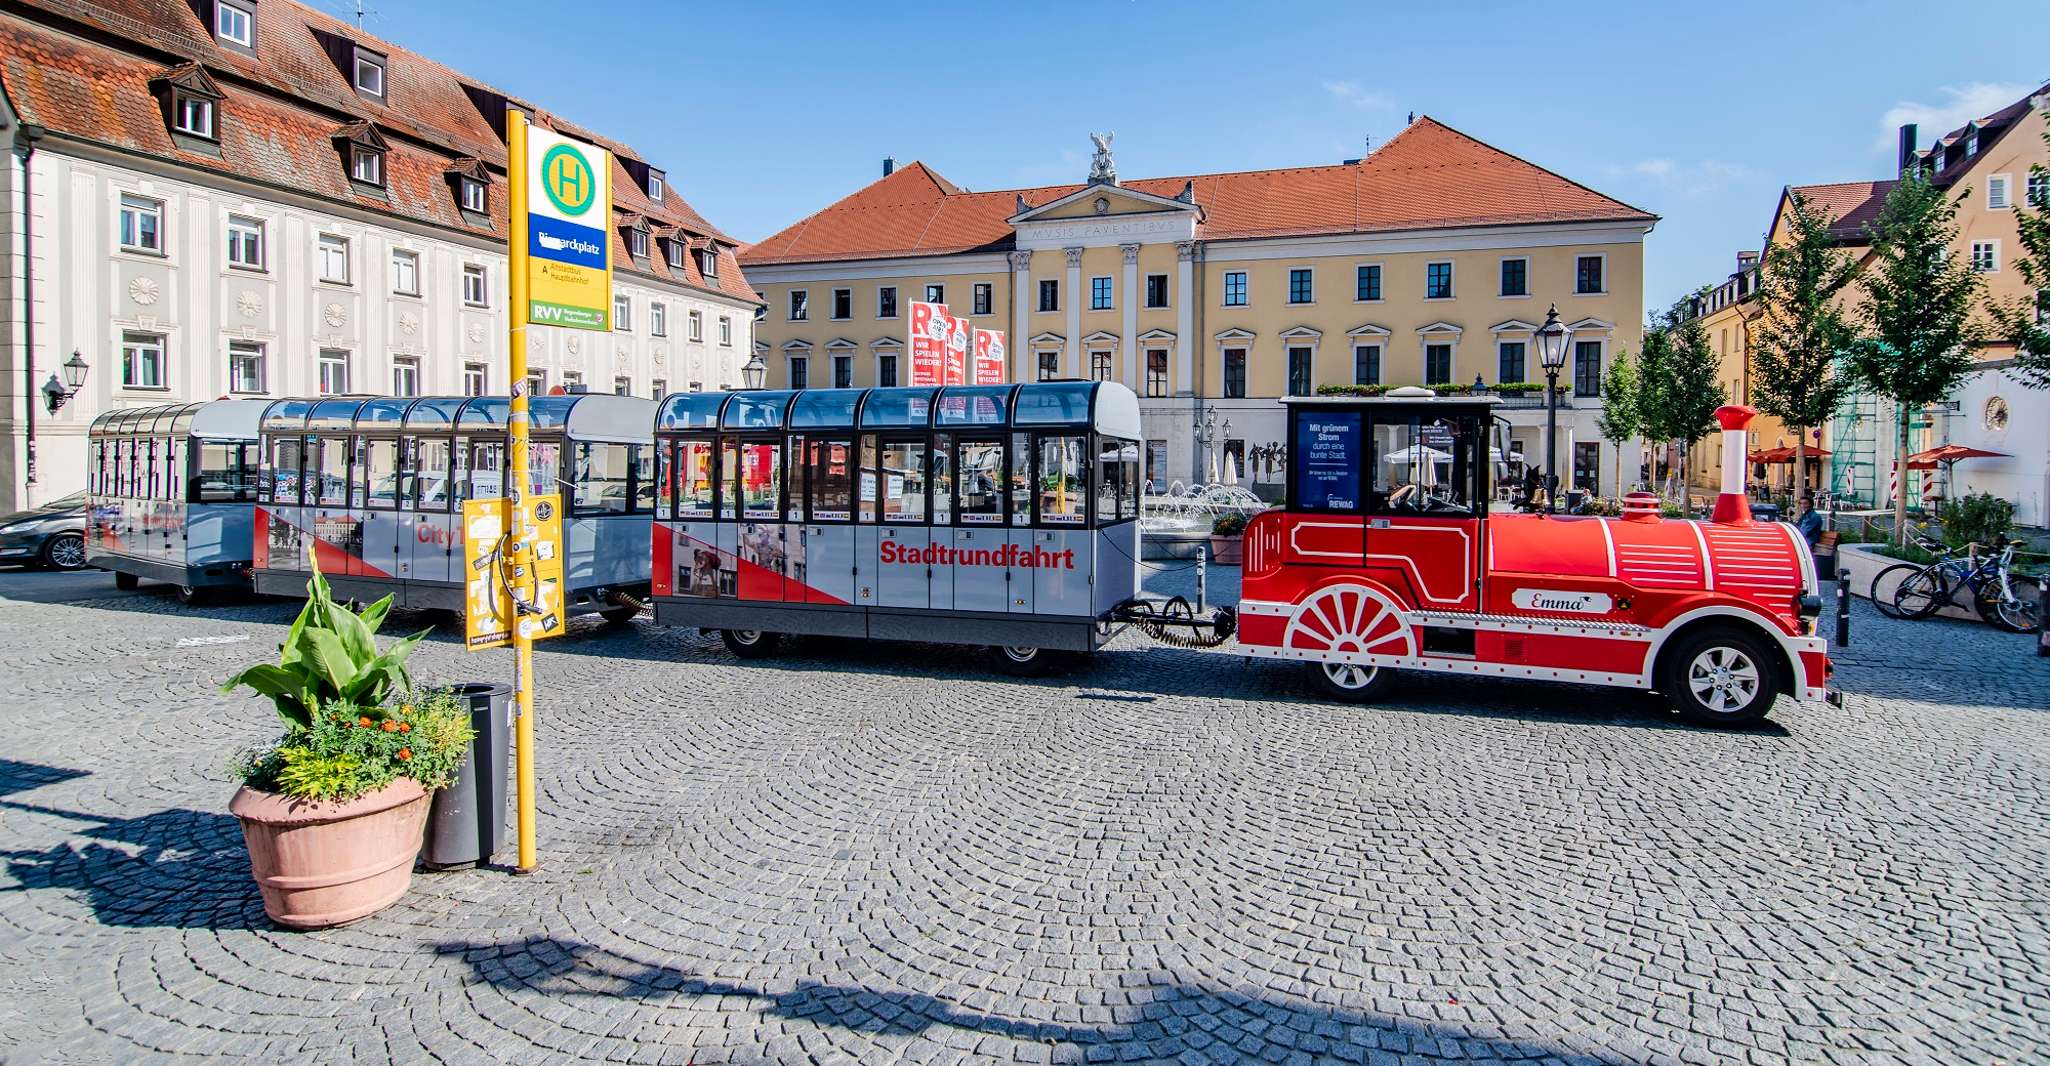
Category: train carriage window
<point>794,456</point>
<point>761,480</point>
<point>431,474</point>
<point>640,461</point>
<point>979,487</point>
<point>1063,480</point>
<point>329,456</point>
<point>1421,465</point>
<point>284,469</point>
<point>694,479</point>
<point>98,457</point>
<point>1021,479</point>
<point>665,479</point>
<point>223,476</point>
<point>901,474</point>
<point>942,460</point>
<point>866,508</point>
<point>729,478</point>
<point>1110,472</point>
<point>378,474</point>
<point>601,479</point>
<point>1129,489</point>
<point>831,480</point>
<point>487,471</point>
<point>544,469</point>
<point>152,473</point>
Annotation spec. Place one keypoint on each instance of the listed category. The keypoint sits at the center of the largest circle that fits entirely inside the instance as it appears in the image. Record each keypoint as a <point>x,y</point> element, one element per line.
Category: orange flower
<point>364,721</point>
<point>405,753</point>
<point>390,726</point>
<point>405,727</point>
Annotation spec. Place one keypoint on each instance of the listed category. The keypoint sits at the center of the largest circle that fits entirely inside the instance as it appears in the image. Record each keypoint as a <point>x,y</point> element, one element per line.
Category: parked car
<point>52,535</point>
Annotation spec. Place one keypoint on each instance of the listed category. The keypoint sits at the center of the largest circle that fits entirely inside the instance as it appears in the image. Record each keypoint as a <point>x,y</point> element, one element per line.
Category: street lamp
<point>1208,434</point>
<point>1552,338</point>
<point>56,393</point>
<point>754,371</point>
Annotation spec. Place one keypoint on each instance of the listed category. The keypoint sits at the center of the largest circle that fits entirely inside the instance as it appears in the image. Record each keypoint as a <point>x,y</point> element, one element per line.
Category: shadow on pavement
<point>172,869</point>
<point>1169,1014</point>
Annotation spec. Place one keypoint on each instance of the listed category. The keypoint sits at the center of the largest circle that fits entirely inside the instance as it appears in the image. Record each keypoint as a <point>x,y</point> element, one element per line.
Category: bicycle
<point>2006,600</point>
<point>1900,572</point>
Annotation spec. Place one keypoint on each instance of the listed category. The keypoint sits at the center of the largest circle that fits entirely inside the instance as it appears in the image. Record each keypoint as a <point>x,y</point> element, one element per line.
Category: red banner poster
<point>990,357</point>
<point>932,331</point>
<point>957,350</point>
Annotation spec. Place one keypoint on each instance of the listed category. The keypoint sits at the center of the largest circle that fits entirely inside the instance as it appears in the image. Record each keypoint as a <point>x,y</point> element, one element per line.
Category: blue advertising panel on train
<point>1327,460</point>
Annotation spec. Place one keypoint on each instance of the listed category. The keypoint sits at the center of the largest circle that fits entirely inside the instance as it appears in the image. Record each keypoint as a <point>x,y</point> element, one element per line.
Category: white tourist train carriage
<point>373,488</point>
<point>171,493</point>
<point>998,515</point>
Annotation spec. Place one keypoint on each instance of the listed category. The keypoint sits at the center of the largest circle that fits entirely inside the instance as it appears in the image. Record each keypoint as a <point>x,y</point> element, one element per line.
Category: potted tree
<point>332,812</point>
<point>1227,538</point>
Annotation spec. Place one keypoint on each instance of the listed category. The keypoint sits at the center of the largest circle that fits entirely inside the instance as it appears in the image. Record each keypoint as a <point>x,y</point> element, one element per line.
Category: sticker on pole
<point>487,605</point>
<point>569,225</point>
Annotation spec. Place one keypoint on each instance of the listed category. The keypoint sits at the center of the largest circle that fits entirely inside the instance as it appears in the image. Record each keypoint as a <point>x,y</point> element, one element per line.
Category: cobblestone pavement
<point>886,854</point>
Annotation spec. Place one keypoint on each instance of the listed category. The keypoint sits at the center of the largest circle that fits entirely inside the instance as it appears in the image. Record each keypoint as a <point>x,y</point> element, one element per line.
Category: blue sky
<point>763,113</point>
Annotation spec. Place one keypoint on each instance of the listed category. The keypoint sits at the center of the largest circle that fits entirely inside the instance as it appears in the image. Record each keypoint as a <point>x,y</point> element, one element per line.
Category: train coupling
<point>1174,621</point>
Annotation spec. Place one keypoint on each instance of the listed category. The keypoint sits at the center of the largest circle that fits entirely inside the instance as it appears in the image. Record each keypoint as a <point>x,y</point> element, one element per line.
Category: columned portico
<point>1073,287</point>
<point>1021,316</point>
<point>1128,291</point>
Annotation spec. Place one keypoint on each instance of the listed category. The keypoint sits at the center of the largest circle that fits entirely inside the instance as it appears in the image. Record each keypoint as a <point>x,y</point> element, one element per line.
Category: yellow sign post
<point>491,613</point>
<point>559,251</point>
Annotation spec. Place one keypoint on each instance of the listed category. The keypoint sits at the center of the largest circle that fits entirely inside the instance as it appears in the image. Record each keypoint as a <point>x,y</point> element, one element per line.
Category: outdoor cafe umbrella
<point>1947,455</point>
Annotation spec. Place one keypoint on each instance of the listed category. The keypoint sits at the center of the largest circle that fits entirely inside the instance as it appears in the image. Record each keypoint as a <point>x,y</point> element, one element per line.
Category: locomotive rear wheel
<point>1350,683</point>
<point>1019,661</point>
<point>750,643</point>
<point>1719,677</point>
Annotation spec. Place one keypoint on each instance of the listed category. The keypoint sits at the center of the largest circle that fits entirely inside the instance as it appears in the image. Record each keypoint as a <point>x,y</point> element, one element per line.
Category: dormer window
<point>369,73</point>
<point>192,114</point>
<point>708,262</point>
<point>1972,145</point>
<point>366,165</point>
<point>655,185</point>
<point>473,195</point>
<point>674,253</point>
<point>235,23</point>
<point>637,242</point>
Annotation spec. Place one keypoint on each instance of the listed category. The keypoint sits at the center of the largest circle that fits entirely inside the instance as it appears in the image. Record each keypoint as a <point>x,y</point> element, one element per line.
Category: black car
<point>52,535</point>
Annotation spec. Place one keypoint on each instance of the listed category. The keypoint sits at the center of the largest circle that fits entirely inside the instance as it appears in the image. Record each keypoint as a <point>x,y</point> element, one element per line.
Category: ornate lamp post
<point>1208,434</point>
<point>1552,338</point>
<point>57,394</point>
<point>754,371</point>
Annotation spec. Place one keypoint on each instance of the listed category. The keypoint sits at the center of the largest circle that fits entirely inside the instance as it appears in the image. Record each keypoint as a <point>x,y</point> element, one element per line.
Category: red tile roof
<point>82,68</point>
<point>1430,176</point>
<point>1853,204</point>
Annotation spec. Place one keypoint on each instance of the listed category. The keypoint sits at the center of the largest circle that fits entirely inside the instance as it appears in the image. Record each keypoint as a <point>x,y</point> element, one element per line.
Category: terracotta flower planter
<point>1225,551</point>
<point>325,864</point>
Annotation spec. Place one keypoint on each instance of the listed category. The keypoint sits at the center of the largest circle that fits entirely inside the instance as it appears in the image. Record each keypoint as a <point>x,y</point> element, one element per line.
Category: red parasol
<point>1949,453</point>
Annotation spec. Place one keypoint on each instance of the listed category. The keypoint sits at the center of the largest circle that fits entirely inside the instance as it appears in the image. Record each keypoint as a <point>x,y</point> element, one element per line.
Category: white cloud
<point>1685,179</point>
<point>1353,94</point>
<point>1958,107</point>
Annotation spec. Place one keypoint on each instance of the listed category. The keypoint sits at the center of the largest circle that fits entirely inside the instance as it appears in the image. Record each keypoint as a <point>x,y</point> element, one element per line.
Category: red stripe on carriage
<point>259,554</point>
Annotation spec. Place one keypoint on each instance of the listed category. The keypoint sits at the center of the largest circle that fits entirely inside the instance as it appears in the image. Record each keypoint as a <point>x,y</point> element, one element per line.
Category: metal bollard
<point>1202,573</point>
<point>1843,608</point>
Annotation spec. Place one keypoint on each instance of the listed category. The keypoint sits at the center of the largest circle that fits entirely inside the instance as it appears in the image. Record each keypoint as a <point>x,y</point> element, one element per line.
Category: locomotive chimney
<point>1733,506</point>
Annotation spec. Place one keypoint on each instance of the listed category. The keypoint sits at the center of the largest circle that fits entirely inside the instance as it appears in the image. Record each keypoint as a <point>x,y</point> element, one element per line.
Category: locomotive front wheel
<point>1350,683</point>
<point>750,643</point>
<point>126,582</point>
<point>1720,677</point>
<point>1019,661</point>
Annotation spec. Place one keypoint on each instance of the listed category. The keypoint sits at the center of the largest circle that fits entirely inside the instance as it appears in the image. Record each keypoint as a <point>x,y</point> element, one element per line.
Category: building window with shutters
<point>1235,373</point>
<point>1299,382</point>
<point>1437,364</point>
<point>1156,372</point>
<point>1510,368</point>
<point>1587,368</point>
<point>1366,364</point>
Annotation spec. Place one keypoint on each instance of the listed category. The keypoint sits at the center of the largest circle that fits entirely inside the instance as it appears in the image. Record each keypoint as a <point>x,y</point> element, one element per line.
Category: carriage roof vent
<point>1641,507</point>
<point>1411,392</point>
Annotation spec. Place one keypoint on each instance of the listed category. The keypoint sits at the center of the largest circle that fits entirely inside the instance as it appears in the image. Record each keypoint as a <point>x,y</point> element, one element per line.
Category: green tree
<point>1801,333</point>
<point>1678,386</point>
<point>1917,310</point>
<point>2026,319</point>
<point>1619,420</point>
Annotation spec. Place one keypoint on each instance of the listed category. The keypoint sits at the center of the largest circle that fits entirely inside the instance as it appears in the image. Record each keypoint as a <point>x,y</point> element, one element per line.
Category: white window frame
<point>245,240</point>
<point>791,365</point>
<point>474,190</point>
<point>480,275</point>
<point>200,106</point>
<point>708,262</point>
<point>1288,285</point>
<point>673,254</point>
<point>1992,248</point>
<point>800,305</point>
<point>843,367</point>
<point>480,374</point>
<point>2037,188</point>
<point>2005,184</point>
<point>1110,293</point>
<point>1604,257</point>
<point>326,358</point>
<point>252,352</point>
<point>936,297</point>
<point>1356,268</point>
<point>401,367</point>
<point>370,61</point>
<point>658,319</point>
<point>222,10</point>
<point>637,242</point>
<point>833,310</point>
<point>696,323</point>
<point>366,166</point>
<point>1451,277</point>
<point>327,247</point>
<point>1525,294</point>
<point>1224,288</point>
<point>725,331</point>
<point>134,347</point>
<point>572,380</point>
<point>984,293</point>
<point>410,261</point>
<point>655,186</point>
<point>1166,291</point>
<point>140,207</point>
<point>622,386</point>
<point>894,299</point>
<point>622,312</point>
<point>658,387</point>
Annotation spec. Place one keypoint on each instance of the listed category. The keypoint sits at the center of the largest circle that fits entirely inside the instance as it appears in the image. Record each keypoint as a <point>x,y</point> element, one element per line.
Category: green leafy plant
<point>330,658</point>
<point>1228,524</point>
<point>345,752</point>
<point>1351,390</point>
<point>1518,388</point>
<point>1979,517</point>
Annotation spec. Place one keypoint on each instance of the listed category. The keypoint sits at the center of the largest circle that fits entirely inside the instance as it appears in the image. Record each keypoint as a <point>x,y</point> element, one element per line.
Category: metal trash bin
<point>466,820</point>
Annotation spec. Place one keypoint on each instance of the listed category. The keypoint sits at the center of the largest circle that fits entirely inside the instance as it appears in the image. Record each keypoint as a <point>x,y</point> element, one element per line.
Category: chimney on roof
<point>1907,148</point>
<point>1746,260</point>
<point>889,165</point>
<point>1412,119</point>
